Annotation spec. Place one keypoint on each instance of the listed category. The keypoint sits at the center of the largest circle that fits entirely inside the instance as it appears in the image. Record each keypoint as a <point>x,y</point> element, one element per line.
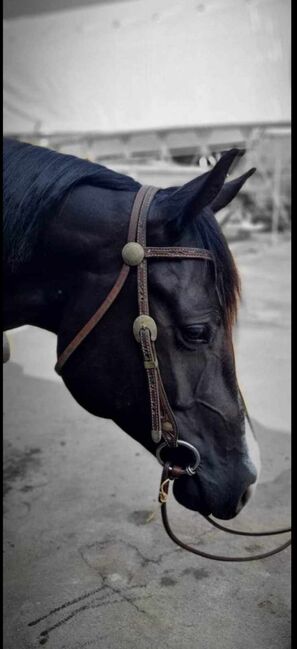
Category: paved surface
<point>87,563</point>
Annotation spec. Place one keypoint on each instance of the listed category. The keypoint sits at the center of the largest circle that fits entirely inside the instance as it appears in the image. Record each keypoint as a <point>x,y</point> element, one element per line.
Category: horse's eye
<point>197,333</point>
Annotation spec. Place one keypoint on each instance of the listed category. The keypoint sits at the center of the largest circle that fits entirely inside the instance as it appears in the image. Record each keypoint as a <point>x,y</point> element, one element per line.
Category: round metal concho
<point>145,322</point>
<point>133,253</point>
<point>191,470</point>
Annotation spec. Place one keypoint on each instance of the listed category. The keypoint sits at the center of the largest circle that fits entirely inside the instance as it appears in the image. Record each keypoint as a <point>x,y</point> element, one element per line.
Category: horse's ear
<point>192,197</point>
<point>229,191</point>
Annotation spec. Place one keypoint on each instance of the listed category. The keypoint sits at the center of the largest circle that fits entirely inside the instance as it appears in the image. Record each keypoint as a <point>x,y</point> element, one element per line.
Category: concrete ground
<point>87,563</point>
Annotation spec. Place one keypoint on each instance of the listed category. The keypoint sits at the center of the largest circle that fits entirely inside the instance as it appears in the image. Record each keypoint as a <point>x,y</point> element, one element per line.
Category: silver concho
<point>145,322</point>
<point>132,253</point>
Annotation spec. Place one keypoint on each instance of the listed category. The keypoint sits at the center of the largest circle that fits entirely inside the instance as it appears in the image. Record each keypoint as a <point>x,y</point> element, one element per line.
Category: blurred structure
<point>157,90</point>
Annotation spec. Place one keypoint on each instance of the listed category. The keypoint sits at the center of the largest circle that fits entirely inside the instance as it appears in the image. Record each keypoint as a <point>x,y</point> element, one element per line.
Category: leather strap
<point>137,225</point>
<point>167,475</point>
<point>113,293</point>
<point>163,420</point>
<point>98,315</point>
<point>177,253</point>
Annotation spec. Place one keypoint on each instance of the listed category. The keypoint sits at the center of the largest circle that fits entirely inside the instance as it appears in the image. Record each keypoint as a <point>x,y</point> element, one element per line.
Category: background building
<point>154,88</point>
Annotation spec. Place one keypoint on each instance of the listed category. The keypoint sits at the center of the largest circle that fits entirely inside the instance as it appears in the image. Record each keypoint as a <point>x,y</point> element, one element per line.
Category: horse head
<point>194,305</point>
<point>193,301</point>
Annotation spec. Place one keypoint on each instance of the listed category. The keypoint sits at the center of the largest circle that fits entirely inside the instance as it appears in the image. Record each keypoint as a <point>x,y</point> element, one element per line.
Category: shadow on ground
<point>87,563</point>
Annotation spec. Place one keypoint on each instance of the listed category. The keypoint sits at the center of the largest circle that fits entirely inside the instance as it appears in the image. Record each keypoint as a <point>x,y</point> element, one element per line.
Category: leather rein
<point>164,426</point>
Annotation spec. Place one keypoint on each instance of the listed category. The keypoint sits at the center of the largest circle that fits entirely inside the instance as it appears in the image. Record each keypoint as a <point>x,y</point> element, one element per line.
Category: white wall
<point>148,64</point>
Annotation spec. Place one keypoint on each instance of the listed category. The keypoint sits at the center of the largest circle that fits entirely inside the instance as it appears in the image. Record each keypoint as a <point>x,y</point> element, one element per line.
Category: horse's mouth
<point>191,494</point>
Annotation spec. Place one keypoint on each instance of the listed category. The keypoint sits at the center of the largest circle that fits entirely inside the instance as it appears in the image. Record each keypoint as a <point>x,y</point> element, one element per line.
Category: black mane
<point>35,180</point>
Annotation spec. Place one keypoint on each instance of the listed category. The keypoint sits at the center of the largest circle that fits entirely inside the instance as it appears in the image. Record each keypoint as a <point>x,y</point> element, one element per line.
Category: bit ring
<point>191,469</point>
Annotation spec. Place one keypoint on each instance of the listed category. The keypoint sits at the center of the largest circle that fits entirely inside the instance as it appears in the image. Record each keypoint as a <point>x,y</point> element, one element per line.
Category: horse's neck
<point>84,237</point>
<point>90,226</point>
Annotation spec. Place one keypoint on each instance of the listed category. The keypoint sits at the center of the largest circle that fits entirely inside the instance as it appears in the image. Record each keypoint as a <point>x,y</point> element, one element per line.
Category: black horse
<point>65,224</point>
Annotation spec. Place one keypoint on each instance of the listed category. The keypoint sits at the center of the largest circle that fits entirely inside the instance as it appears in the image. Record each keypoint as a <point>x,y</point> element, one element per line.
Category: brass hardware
<point>150,365</point>
<point>156,436</point>
<point>167,427</point>
<point>144,322</point>
<point>132,253</point>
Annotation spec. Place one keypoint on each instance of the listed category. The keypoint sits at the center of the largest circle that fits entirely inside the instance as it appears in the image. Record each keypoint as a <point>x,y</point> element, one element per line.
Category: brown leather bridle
<point>164,425</point>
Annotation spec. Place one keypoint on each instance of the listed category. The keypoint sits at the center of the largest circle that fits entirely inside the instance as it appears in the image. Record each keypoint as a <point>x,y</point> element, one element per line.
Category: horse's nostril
<point>246,496</point>
<point>244,499</point>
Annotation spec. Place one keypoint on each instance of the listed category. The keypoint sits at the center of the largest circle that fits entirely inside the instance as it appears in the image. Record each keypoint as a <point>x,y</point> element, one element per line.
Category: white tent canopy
<point>132,66</point>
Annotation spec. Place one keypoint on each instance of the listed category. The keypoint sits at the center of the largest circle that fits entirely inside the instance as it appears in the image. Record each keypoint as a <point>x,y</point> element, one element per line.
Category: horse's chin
<point>189,493</point>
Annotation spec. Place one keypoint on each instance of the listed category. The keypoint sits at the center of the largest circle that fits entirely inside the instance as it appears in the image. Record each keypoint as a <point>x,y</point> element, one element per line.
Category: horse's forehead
<point>188,285</point>
<point>182,273</point>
